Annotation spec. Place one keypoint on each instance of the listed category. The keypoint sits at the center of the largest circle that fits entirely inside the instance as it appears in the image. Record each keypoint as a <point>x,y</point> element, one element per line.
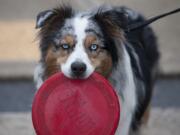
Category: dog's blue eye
<point>93,47</point>
<point>65,46</point>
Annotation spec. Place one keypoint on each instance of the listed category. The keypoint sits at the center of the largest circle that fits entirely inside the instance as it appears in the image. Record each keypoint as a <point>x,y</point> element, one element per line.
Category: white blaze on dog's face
<point>78,62</point>
<point>78,50</point>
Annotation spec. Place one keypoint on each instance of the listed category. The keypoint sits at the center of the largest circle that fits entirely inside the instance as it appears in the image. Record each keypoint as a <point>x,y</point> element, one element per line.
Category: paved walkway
<point>15,117</point>
<point>162,122</point>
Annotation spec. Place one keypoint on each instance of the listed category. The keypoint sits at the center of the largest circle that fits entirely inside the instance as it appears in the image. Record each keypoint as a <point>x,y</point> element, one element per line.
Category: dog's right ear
<point>43,17</point>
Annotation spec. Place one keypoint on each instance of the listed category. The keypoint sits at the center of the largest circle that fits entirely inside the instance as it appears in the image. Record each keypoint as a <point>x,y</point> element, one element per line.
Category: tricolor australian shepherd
<point>80,43</point>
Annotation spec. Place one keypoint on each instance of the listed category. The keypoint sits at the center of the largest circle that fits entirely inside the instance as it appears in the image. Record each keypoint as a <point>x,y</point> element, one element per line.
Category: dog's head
<point>78,44</point>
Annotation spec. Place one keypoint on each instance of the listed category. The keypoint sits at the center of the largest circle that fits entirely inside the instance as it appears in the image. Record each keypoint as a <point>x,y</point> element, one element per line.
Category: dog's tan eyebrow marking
<point>90,40</point>
<point>69,39</point>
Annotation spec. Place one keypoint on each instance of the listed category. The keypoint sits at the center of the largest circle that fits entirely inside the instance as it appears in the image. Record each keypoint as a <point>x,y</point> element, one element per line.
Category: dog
<point>80,43</point>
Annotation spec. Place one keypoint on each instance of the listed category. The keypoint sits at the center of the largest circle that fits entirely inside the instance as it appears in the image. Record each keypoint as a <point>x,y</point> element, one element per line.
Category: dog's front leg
<point>38,75</point>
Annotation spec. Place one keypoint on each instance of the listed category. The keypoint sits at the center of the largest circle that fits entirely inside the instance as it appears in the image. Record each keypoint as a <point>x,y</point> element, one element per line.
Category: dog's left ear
<point>112,18</point>
<point>43,17</point>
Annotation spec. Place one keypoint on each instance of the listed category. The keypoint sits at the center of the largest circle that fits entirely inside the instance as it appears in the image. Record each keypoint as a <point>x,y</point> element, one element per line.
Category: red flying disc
<point>65,106</point>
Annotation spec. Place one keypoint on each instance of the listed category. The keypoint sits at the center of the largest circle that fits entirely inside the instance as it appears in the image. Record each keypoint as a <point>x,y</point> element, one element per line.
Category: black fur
<point>142,42</point>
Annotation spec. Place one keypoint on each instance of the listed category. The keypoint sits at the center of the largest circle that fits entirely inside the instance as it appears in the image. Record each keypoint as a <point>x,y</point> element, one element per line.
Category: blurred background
<point>19,55</point>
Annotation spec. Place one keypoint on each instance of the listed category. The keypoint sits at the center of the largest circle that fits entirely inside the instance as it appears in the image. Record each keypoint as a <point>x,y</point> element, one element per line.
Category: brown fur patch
<point>100,58</point>
<point>68,39</point>
<point>54,59</point>
<point>102,63</point>
<point>90,40</point>
<point>146,115</point>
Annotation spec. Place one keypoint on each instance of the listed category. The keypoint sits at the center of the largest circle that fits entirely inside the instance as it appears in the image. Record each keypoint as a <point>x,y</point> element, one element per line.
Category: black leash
<point>139,25</point>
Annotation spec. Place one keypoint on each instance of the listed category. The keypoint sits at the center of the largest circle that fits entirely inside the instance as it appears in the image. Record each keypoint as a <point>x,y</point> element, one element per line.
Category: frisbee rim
<point>56,76</point>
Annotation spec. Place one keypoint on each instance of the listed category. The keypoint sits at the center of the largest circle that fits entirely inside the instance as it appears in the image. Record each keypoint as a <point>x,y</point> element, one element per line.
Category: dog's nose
<point>78,68</point>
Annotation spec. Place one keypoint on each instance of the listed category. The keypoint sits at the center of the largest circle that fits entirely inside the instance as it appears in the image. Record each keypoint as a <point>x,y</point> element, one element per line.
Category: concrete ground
<point>16,98</point>
<point>162,122</point>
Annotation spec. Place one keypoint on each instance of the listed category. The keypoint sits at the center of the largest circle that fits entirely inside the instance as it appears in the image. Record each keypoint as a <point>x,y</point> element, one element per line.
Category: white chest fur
<point>123,82</point>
